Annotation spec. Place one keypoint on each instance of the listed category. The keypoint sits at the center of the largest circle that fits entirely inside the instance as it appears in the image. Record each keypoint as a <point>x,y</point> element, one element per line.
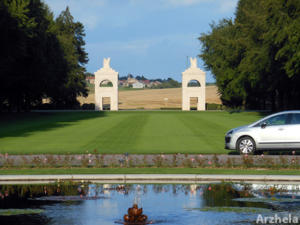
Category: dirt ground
<point>155,98</point>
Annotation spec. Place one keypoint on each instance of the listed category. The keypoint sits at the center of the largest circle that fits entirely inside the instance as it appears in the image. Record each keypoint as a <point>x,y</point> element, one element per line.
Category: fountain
<point>135,216</point>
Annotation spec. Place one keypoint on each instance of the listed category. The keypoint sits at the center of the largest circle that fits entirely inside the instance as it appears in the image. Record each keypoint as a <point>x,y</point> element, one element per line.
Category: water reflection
<point>87,203</point>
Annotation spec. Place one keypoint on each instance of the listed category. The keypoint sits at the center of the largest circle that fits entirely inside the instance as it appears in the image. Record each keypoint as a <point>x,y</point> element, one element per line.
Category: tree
<point>29,53</point>
<point>35,62</point>
<point>70,35</point>
<point>255,57</point>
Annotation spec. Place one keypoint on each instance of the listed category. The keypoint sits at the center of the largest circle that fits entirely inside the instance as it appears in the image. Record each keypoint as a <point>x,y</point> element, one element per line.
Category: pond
<point>91,203</point>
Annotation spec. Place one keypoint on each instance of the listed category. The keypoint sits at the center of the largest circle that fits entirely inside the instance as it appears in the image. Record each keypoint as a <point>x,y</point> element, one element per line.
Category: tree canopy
<point>41,57</point>
<point>255,57</point>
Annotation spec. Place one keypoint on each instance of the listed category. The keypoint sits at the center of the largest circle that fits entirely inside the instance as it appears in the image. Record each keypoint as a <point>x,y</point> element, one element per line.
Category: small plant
<point>158,161</point>
<point>229,163</point>
<point>145,161</point>
<point>247,161</point>
<point>122,162</point>
<point>294,163</point>
<point>283,161</point>
<point>113,162</point>
<point>188,162</point>
<point>193,161</point>
<point>215,160</point>
<point>130,162</point>
<point>269,162</point>
<point>174,160</point>
<point>67,161</point>
<point>200,160</point>
<point>24,161</point>
<point>84,161</point>
<point>36,161</point>
<point>51,160</point>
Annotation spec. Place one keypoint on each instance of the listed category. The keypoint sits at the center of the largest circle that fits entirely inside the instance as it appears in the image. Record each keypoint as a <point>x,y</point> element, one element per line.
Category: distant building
<point>132,81</point>
<point>147,83</point>
<point>90,79</point>
<point>121,82</point>
<point>156,83</point>
<point>138,85</point>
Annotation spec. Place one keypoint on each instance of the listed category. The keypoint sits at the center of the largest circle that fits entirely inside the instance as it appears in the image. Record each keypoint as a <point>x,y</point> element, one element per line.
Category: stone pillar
<point>193,73</point>
<point>104,75</point>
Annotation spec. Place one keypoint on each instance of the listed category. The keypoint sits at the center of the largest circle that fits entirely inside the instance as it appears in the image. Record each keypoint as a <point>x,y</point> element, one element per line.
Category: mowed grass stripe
<point>63,133</point>
<point>163,133</point>
<point>206,133</point>
<point>209,128</point>
<point>122,137</point>
<point>140,132</point>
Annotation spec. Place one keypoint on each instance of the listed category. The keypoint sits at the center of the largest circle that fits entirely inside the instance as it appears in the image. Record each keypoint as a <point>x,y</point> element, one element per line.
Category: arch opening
<point>193,103</point>
<point>106,83</point>
<point>194,83</point>
<point>106,103</point>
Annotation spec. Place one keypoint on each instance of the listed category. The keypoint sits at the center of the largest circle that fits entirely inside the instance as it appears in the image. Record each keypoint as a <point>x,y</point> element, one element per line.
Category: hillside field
<point>119,132</point>
<point>154,98</point>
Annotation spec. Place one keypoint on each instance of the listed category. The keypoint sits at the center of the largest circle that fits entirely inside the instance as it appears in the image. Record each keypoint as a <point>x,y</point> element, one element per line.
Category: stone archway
<point>193,73</point>
<point>106,86</point>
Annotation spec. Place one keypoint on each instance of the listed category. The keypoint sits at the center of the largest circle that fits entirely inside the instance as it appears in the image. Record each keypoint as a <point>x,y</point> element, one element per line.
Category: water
<point>165,204</point>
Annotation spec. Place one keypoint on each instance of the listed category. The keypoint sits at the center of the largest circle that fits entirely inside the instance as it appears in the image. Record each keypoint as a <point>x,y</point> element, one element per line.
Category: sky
<point>153,38</point>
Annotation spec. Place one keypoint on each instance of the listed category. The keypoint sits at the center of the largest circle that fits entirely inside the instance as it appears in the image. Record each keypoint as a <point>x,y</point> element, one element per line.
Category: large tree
<point>255,57</point>
<point>34,60</point>
<point>70,35</point>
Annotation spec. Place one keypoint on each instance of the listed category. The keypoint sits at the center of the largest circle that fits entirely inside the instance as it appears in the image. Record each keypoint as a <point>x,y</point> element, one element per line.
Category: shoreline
<point>149,178</point>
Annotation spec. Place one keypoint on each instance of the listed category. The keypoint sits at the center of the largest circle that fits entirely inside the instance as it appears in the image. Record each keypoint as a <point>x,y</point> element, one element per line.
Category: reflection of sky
<point>169,204</point>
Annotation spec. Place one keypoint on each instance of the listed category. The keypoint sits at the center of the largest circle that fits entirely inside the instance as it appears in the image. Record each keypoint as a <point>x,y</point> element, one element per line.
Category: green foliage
<point>34,61</point>
<point>167,83</point>
<point>16,212</point>
<point>255,57</point>
<point>214,106</point>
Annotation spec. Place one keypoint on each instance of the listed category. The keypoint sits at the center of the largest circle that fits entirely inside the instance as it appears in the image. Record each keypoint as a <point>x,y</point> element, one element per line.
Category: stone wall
<point>156,160</point>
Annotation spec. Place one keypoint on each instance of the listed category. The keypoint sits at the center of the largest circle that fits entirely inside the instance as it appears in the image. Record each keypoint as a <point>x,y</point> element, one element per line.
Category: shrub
<point>90,106</point>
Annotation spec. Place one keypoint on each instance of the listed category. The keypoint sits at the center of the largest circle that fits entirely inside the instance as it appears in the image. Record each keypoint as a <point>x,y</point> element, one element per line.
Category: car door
<point>293,132</point>
<point>275,132</point>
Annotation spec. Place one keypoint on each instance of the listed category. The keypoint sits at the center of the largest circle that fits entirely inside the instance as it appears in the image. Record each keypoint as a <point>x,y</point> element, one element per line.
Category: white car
<point>277,131</point>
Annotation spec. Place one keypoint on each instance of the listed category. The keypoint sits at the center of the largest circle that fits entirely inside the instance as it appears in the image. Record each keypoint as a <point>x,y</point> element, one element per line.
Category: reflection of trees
<point>17,196</point>
<point>157,188</point>
<point>25,219</point>
<point>33,191</point>
<point>220,195</point>
<point>174,189</point>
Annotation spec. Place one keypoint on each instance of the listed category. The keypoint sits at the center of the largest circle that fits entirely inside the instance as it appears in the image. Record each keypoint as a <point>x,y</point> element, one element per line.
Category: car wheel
<point>246,145</point>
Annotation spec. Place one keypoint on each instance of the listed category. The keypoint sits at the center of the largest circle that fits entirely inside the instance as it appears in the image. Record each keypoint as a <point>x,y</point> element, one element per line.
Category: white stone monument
<point>103,77</point>
<point>193,74</point>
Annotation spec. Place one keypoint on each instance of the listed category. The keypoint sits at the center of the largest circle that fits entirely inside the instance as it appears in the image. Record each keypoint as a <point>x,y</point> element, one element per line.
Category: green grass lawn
<point>147,171</point>
<point>119,132</point>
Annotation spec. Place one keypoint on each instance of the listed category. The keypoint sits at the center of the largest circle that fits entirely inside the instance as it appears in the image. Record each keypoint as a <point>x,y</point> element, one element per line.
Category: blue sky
<point>145,37</point>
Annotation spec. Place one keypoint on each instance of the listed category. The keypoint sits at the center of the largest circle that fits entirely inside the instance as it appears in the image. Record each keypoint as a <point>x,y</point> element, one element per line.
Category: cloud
<point>227,6</point>
<point>165,4</point>
<point>121,13</point>
<point>221,6</point>
<point>83,11</point>
<point>141,46</point>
